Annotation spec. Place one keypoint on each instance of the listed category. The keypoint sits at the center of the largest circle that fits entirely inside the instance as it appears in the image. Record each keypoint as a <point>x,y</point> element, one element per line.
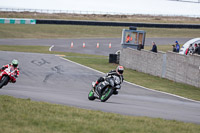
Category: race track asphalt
<point>52,79</point>
<point>64,45</point>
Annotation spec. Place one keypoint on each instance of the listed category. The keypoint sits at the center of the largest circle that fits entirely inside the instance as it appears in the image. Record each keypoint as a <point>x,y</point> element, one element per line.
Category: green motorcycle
<point>104,90</point>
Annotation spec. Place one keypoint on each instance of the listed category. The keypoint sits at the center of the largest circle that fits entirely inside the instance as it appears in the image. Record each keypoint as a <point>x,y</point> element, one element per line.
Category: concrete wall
<point>143,61</point>
<point>173,66</point>
<point>182,68</point>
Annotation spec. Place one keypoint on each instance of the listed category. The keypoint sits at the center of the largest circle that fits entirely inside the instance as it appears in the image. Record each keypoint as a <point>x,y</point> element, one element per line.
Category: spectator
<point>190,49</point>
<point>198,49</point>
<point>173,48</point>
<point>195,48</point>
<point>154,47</point>
<point>177,46</point>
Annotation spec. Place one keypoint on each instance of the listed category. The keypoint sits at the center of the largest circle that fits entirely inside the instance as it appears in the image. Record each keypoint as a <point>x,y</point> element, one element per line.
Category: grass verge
<point>101,63</point>
<point>24,115</point>
<point>77,31</point>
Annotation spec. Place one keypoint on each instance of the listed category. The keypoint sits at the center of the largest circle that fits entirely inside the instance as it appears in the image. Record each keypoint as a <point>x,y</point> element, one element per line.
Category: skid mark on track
<point>56,70</point>
<point>40,62</point>
<point>47,77</point>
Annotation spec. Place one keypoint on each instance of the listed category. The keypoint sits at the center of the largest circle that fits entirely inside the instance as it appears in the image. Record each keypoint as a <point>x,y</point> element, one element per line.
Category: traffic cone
<point>97,45</point>
<point>72,44</point>
<point>110,45</point>
<point>83,45</point>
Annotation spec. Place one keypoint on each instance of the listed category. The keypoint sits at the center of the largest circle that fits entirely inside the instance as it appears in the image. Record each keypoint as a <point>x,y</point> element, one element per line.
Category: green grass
<point>101,63</point>
<point>57,31</point>
<point>77,31</point>
<point>26,116</point>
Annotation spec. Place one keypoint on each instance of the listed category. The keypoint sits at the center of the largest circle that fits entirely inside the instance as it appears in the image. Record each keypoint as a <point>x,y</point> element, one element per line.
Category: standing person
<point>198,49</point>
<point>173,48</point>
<point>177,46</point>
<point>190,49</point>
<point>195,48</point>
<point>154,47</point>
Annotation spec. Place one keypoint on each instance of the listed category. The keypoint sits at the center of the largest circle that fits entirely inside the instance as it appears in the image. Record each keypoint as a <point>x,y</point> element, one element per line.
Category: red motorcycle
<point>7,75</point>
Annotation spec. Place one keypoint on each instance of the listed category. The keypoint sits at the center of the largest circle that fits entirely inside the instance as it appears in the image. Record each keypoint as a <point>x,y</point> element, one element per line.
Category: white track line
<point>133,83</point>
<point>51,47</point>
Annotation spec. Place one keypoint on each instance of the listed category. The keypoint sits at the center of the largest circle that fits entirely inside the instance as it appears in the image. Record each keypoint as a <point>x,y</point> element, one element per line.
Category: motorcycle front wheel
<point>106,94</point>
<point>4,81</point>
<point>91,95</point>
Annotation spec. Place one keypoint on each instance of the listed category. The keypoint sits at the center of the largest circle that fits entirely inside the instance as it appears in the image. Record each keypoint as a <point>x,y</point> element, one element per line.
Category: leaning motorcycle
<point>7,75</point>
<point>104,90</point>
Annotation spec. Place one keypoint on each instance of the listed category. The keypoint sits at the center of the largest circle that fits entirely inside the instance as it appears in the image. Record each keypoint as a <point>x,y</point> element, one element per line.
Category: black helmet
<point>120,70</point>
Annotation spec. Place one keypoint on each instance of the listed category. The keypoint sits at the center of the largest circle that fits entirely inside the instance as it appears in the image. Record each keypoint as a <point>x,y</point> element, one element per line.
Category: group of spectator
<point>193,49</point>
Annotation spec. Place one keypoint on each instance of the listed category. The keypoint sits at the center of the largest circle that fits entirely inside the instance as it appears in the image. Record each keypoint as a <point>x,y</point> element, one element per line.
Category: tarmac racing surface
<point>49,78</point>
<point>64,45</point>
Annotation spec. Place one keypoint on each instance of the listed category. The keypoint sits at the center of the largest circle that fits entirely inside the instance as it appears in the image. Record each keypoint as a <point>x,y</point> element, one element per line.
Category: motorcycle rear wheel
<point>105,96</point>
<point>4,81</point>
<point>91,95</point>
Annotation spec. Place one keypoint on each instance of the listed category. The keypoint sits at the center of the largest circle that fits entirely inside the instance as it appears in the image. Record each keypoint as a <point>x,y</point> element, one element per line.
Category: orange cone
<point>110,45</point>
<point>83,45</point>
<point>97,45</point>
<point>72,44</point>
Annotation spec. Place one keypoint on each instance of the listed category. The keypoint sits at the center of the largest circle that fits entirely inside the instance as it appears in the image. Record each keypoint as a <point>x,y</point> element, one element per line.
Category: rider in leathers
<point>118,72</point>
<point>14,64</point>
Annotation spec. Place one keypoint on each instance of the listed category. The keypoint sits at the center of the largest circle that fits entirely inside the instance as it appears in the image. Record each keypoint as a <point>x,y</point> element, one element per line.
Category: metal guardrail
<point>99,23</point>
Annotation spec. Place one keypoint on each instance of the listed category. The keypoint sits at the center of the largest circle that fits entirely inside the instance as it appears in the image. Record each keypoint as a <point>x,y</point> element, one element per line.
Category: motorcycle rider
<point>117,72</point>
<point>14,64</point>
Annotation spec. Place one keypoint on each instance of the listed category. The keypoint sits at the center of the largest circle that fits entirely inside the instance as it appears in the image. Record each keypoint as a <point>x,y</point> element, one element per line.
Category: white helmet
<point>15,63</point>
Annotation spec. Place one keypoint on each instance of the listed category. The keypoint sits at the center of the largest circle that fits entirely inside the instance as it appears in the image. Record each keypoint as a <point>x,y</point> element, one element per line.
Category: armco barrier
<point>170,65</point>
<point>99,23</point>
<point>17,21</point>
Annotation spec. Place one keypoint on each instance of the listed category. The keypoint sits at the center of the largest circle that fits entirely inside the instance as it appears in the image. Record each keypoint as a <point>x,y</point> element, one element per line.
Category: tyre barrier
<point>123,24</point>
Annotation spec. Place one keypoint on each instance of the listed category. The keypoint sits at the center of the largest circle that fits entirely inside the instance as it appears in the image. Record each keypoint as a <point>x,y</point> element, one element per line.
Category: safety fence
<point>170,65</point>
